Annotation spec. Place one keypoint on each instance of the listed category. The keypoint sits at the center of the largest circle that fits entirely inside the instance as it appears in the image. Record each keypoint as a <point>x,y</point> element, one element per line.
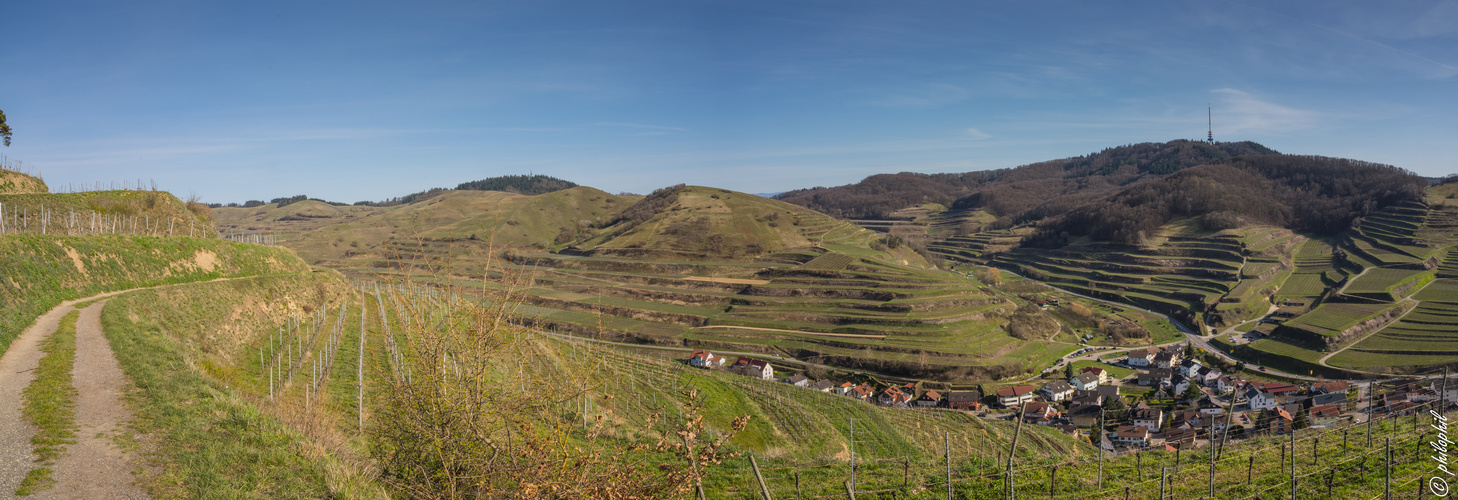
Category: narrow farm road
<point>93,467</point>
<point>92,379</point>
<point>17,370</point>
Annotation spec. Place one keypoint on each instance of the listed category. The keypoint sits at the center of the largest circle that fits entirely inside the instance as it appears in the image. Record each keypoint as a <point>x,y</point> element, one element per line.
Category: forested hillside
<point>1062,184</point>
<point>1305,193</point>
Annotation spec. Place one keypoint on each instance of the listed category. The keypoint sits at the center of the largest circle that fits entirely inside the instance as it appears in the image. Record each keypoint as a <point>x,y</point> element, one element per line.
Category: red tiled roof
<point>1016,390</point>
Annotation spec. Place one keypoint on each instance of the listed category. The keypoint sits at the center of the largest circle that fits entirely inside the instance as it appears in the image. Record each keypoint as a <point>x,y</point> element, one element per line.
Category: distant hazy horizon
<point>372,100</point>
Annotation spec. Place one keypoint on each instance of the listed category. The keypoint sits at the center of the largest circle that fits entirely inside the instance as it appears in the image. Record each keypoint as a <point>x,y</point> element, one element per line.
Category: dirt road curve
<point>92,467</point>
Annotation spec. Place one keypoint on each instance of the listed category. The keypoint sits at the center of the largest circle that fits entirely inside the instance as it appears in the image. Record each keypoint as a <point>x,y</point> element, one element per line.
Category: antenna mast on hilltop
<point>1209,124</point>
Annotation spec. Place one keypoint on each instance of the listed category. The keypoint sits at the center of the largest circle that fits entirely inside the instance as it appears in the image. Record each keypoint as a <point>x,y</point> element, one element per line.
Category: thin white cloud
<point>1243,112</point>
<point>977,135</point>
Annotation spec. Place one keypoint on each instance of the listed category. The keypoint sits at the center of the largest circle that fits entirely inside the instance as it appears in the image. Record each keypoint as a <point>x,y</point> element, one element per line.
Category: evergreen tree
<point>1299,421</point>
<point>4,129</point>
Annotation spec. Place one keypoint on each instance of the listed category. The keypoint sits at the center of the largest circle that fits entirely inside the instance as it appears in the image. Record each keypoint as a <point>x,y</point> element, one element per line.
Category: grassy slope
<point>321,232</point>
<point>39,272</point>
<point>191,381</point>
<point>16,183</point>
<point>180,346</point>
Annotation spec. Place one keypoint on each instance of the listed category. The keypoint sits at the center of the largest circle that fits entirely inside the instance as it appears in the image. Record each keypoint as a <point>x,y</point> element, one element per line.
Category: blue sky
<point>365,100</point>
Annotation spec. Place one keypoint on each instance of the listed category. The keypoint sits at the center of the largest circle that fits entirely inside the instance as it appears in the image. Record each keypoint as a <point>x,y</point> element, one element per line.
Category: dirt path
<point>93,353</point>
<point>93,467</point>
<point>17,370</point>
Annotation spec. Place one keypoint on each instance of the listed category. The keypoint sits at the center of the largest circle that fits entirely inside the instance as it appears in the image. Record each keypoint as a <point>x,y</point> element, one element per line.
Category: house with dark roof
<point>1154,376</point>
<point>824,385</point>
<point>964,400</point>
<point>1084,381</point>
<point>1173,436</point>
<point>1056,390</point>
<point>1009,397</point>
<point>929,399</point>
<point>799,380</point>
<point>1085,415</point>
<point>754,368</point>
<point>1143,415</point>
<point>1041,413</point>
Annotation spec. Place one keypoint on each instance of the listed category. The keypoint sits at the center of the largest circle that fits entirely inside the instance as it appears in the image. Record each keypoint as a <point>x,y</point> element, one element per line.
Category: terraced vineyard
<point>1180,276</point>
<point>1426,335</point>
<point>1316,270</point>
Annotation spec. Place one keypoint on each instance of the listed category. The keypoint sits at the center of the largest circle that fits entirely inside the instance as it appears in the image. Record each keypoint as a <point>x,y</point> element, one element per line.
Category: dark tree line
<point>520,184</point>
<point>529,185</point>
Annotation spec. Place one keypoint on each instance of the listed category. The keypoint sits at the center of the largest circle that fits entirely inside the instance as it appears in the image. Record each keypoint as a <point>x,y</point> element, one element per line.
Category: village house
<point>1085,398</point>
<point>1283,393</point>
<point>1041,413</point>
<point>798,380</point>
<point>1324,416</point>
<point>862,392</point>
<point>1181,435</point>
<point>1056,390</point>
<point>1165,359</point>
<point>1239,423</point>
<point>705,359</point>
<point>1009,397</point>
<point>1190,367</point>
<point>845,388</point>
<point>1228,384</point>
<point>1339,386</point>
<point>1329,398</point>
<point>1207,376</point>
<point>894,397</point>
<point>1101,374</point>
<point>1280,421</point>
<point>1142,415</point>
<point>1086,416</point>
<point>1142,357</point>
<point>929,399</point>
<point>1210,407</point>
<point>754,368</point>
<point>1179,384</point>
<point>1132,436</point>
<point>964,400</point>
<point>1154,377</point>
<point>1084,381</point>
<point>825,386</point>
<point>1258,399</point>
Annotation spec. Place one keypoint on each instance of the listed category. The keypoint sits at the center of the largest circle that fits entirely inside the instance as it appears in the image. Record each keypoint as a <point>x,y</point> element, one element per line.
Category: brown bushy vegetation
<point>659,200</point>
